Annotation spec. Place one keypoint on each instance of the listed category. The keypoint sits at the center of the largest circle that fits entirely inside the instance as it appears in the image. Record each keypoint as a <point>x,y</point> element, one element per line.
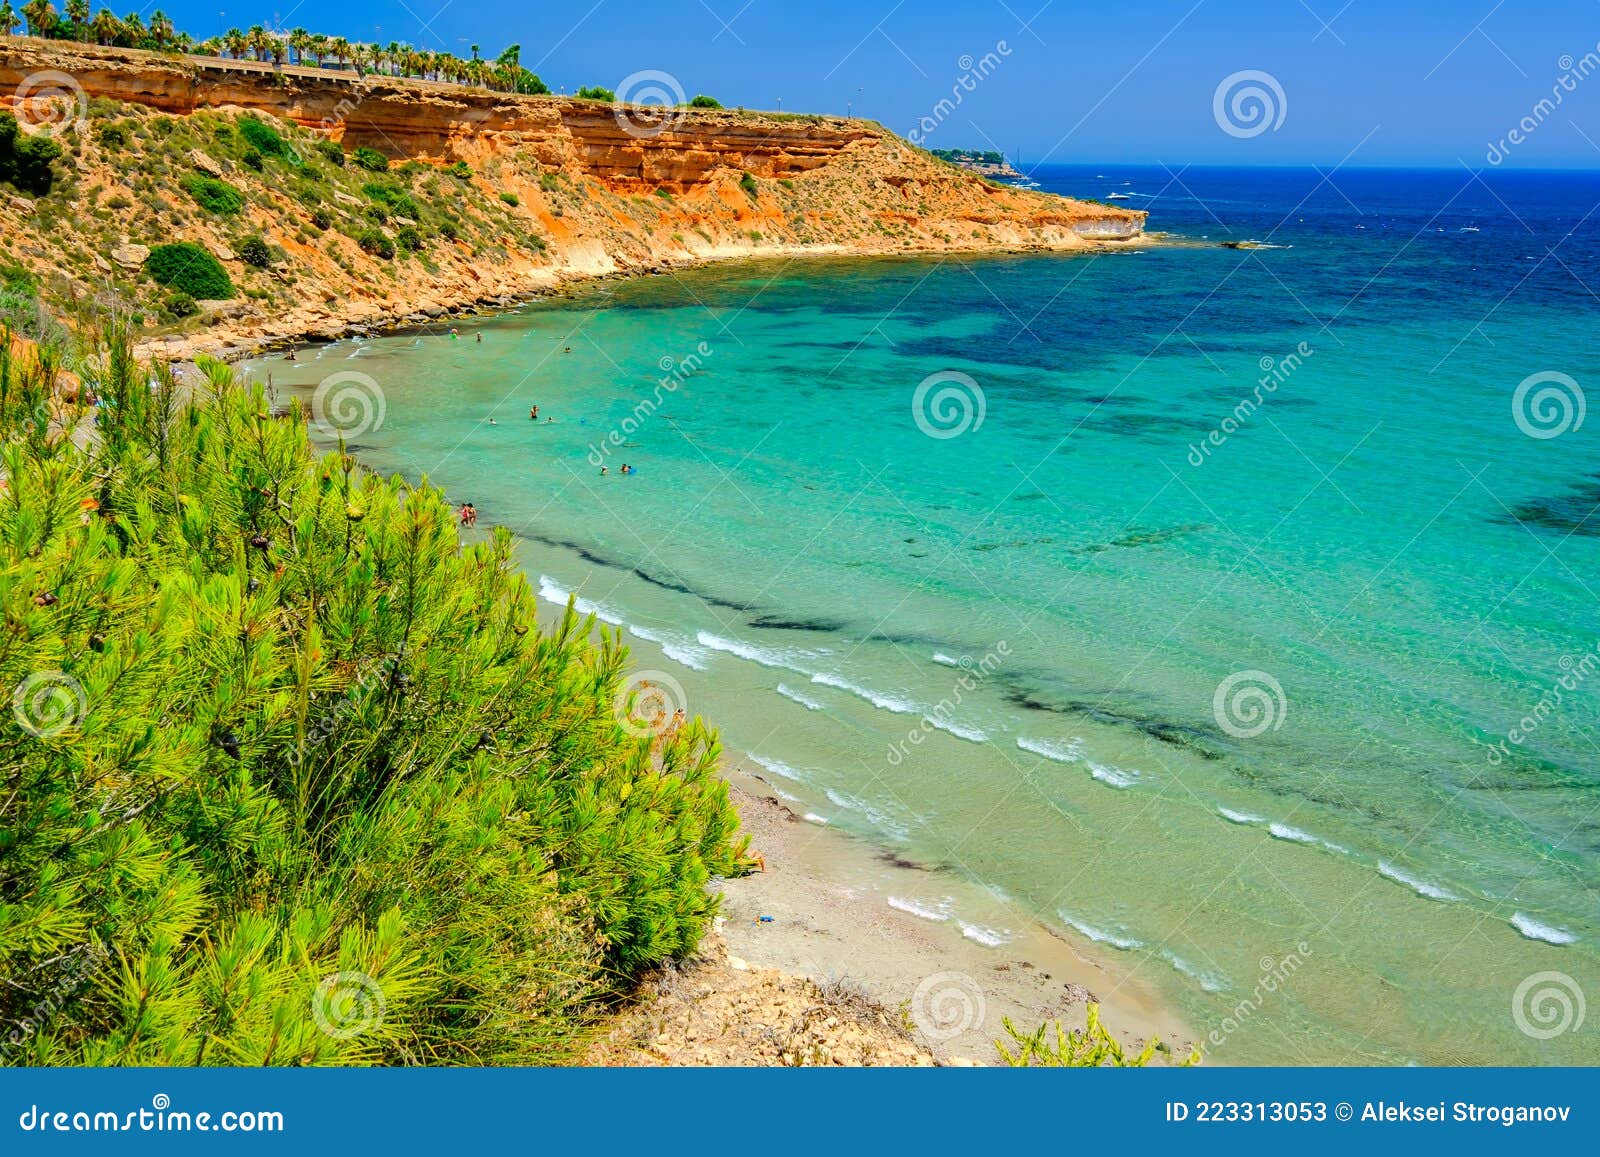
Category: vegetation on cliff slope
<point>290,776</point>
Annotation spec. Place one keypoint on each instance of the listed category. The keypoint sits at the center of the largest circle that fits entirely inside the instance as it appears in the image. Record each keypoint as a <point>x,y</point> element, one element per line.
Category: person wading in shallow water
<point>469,515</point>
<point>533,413</point>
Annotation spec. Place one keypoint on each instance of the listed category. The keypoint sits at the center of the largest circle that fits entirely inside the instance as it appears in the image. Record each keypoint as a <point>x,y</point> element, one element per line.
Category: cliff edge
<point>490,196</point>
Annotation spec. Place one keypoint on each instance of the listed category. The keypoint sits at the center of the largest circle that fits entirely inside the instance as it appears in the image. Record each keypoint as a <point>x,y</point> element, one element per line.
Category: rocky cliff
<point>504,194</point>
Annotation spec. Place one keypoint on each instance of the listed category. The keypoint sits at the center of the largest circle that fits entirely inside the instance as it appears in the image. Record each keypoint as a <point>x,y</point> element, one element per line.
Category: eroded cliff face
<point>559,187</point>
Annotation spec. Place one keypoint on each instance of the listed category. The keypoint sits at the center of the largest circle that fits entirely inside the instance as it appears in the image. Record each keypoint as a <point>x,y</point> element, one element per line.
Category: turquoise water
<point>1209,702</point>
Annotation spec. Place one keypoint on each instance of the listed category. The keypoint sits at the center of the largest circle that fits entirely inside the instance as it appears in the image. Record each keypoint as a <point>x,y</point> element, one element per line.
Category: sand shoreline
<point>233,339</point>
<point>828,892</point>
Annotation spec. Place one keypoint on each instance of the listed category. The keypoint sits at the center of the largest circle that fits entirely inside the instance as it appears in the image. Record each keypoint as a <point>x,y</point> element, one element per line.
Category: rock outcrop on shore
<point>558,188</point>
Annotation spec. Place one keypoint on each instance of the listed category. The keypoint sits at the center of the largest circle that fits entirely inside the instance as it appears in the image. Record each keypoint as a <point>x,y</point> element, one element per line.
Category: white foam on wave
<point>970,734</point>
<point>805,701</point>
<point>748,651</point>
<point>1071,752</point>
<point>1420,887</point>
<point>945,660</point>
<point>922,912</point>
<point>1232,816</point>
<point>876,698</point>
<point>1101,935</point>
<point>875,815</point>
<point>1297,836</point>
<point>1113,776</point>
<point>551,591</point>
<point>778,767</point>
<point>1210,981</point>
<point>677,649</point>
<point>814,818</point>
<point>988,937</point>
<point>1534,930</point>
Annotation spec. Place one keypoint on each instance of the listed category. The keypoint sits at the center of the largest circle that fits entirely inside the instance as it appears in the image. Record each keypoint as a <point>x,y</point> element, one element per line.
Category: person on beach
<point>469,515</point>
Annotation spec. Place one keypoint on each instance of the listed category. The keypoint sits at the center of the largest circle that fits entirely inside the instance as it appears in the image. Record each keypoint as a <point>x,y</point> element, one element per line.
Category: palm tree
<point>105,27</point>
<point>299,40</point>
<point>235,42</point>
<point>78,16</point>
<point>40,17</point>
<point>258,41</point>
<point>133,31</point>
<point>161,29</point>
<point>319,47</point>
<point>279,49</point>
<point>8,18</point>
<point>339,48</point>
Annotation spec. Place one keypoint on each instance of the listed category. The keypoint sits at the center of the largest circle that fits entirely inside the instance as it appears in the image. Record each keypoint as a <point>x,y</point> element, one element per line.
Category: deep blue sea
<point>1213,606</point>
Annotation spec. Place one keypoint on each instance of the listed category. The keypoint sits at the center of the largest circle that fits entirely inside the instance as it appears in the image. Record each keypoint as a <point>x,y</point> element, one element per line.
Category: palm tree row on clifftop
<point>295,46</point>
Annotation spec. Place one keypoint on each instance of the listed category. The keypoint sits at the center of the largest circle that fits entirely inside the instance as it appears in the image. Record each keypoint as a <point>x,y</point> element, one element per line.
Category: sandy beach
<point>828,894</point>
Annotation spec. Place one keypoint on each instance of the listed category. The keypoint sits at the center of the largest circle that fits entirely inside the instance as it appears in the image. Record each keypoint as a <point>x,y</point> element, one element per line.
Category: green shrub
<point>704,101</point>
<point>460,170</point>
<point>112,137</point>
<point>253,160</point>
<point>748,184</point>
<point>190,269</point>
<point>327,757</point>
<point>664,194</point>
<point>377,243</point>
<point>408,238</point>
<point>595,92</point>
<point>180,305</point>
<point>331,152</point>
<point>212,195</point>
<point>322,219</point>
<point>510,199</point>
<point>371,160</point>
<point>254,251</point>
<point>393,198</point>
<point>25,160</point>
<point>1094,1047</point>
<point>448,230</point>
<point>262,137</point>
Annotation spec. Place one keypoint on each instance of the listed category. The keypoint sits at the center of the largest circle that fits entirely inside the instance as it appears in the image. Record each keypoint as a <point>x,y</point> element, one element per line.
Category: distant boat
<point>1118,197</point>
<point>1468,229</point>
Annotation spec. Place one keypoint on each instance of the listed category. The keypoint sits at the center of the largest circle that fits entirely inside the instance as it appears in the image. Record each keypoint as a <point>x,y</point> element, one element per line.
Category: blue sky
<point>1362,81</point>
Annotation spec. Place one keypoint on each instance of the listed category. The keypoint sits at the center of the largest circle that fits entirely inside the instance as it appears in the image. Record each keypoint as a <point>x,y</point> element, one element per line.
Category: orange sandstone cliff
<point>553,188</point>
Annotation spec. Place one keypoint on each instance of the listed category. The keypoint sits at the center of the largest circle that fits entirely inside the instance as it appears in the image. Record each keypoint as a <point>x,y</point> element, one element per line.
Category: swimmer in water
<point>480,339</point>
<point>602,471</point>
<point>568,350</point>
<point>533,414</point>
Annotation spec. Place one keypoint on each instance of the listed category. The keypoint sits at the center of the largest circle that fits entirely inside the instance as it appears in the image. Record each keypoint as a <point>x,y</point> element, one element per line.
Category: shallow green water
<point>1379,569</point>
